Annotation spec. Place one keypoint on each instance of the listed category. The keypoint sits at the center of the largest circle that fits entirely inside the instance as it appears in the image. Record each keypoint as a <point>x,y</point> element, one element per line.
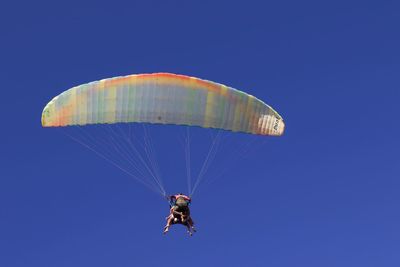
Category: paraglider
<point>158,98</point>
<point>180,213</point>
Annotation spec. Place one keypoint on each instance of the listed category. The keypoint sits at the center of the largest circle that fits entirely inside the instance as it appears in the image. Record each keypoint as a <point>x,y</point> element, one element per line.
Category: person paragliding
<point>110,104</point>
<point>180,213</point>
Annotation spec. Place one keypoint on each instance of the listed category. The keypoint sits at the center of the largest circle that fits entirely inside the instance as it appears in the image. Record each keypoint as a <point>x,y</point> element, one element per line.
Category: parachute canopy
<point>162,98</point>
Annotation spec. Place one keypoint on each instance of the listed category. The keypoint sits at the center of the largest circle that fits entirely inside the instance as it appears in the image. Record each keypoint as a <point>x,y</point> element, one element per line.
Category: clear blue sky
<point>331,194</point>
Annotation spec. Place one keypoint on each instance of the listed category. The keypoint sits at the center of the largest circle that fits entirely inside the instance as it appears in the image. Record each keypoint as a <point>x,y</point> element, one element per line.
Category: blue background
<point>325,194</point>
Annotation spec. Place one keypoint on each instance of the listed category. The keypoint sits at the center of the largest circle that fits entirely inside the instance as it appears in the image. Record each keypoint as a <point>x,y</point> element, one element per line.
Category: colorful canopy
<point>162,98</point>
